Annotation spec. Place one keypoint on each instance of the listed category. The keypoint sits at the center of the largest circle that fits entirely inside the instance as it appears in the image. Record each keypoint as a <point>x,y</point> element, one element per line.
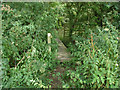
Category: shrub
<point>97,60</point>
<point>26,59</point>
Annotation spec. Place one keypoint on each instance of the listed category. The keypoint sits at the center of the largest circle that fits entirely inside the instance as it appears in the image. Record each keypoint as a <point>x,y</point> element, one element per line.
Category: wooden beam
<point>49,41</point>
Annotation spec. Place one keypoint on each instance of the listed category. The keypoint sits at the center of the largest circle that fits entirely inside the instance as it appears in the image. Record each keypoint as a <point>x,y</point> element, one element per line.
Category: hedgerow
<point>25,50</point>
<point>96,60</point>
<point>90,28</point>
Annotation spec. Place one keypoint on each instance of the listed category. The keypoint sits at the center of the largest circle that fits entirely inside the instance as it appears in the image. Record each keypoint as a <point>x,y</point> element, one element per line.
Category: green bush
<point>96,58</point>
<point>26,59</point>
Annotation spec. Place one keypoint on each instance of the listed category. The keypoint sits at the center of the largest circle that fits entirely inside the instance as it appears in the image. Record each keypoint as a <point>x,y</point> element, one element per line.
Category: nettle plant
<point>96,59</point>
<point>26,59</point>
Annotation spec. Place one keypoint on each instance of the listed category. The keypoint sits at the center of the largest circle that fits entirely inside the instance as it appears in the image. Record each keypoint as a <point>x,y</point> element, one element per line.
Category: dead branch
<point>19,62</point>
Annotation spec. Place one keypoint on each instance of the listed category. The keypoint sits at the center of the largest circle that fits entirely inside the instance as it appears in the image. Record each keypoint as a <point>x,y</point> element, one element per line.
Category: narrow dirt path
<point>63,56</point>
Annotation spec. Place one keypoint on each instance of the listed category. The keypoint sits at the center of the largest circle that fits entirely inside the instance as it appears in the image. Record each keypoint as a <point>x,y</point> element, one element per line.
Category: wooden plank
<point>62,53</point>
<point>49,41</point>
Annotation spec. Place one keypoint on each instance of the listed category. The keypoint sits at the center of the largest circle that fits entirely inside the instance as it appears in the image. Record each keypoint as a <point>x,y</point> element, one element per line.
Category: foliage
<point>25,48</point>
<point>84,16</point>
<point>92,30</point>
<point>97,60</point>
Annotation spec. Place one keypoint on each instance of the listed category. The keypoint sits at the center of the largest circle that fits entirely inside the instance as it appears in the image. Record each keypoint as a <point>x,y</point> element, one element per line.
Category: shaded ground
<point>63,56</point>
<point>56,77</point>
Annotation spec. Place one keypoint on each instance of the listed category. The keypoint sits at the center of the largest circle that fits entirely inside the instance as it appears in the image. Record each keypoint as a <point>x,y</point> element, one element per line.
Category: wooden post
<point>49,41</point>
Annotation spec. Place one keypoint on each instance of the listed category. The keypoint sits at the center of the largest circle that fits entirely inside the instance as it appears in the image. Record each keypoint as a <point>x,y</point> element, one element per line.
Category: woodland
<point>89,31</point>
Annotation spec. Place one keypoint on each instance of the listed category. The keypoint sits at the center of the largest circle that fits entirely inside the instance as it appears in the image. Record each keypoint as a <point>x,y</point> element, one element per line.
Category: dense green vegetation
<point>25,38</point>
<point>92,40</point>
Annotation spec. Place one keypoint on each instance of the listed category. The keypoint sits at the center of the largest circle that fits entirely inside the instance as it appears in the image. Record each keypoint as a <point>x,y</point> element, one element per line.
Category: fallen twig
<point>19,62</point>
